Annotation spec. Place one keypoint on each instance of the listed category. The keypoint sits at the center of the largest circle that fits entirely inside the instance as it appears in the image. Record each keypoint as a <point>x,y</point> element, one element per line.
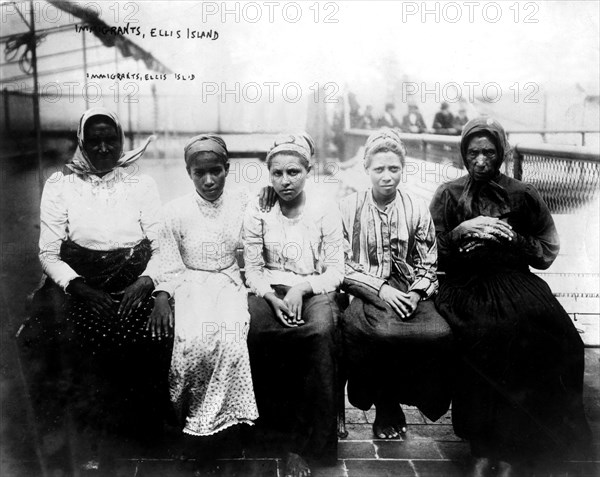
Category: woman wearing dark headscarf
<point>519,384</point>
<point>397,348</point>
<point>210,380</point>
<point>294,263</point>
<point>99,244</point>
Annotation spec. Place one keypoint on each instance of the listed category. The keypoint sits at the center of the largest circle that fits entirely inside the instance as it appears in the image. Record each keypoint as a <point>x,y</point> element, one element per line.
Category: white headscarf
<point>81,164</point>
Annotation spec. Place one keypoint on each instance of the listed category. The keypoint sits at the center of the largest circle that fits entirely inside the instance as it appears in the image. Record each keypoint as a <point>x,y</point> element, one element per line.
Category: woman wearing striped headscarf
<point>210,382</point>
<point>294,263</point>
<point>397,348</point>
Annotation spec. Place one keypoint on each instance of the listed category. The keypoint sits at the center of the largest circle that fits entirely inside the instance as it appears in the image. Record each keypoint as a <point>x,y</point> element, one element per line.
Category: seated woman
<point>210,381</point>
<point>397,348</point>
<point>294,263</point>
<point>99,244</point>
<point>519,384</point>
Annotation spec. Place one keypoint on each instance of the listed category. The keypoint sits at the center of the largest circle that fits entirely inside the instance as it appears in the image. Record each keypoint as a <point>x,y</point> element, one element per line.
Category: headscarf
<point>484,198</point>
<point>206,143</point>
<point>384,138</point>
<point>81,164</point>
<point>300,143</point>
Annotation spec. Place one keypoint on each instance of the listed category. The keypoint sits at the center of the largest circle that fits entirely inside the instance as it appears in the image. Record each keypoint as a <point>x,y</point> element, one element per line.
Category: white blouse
<point>201,236</point>
<point>282,251</point>
<point>115,211</point>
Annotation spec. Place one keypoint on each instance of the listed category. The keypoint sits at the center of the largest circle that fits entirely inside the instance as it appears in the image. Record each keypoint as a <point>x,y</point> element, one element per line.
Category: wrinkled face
<point>102,145</point>
<point>385,172</point>
<point>288,176</point>
<point>208,173</point>
<point>482,159</point>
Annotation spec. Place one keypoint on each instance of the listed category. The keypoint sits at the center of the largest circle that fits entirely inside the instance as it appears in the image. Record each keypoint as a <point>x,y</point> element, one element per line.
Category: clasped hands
<point>404,304</point>
<point>474,232</point>
<point>289,309</point>
<point>103,304</point>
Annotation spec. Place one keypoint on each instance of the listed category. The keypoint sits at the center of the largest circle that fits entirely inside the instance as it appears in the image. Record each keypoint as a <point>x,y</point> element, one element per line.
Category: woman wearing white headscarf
<point>99,251</point>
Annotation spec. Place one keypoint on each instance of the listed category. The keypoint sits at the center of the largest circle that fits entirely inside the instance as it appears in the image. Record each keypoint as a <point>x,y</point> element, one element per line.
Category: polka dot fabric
<point>210,380</point>
<point>102,332</point>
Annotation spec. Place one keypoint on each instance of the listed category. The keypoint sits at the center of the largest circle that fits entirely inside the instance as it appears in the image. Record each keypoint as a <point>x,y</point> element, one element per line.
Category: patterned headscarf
<point>300,143</point>
<point>80,162</point>
<point>206,143</point>
<point>384,139</point>
<point>484,198</point>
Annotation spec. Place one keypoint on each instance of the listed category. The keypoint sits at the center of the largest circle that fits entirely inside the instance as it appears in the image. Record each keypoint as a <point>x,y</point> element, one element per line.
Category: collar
<point>112,176</point>
<point>371,201</point>
<point>215,204</point>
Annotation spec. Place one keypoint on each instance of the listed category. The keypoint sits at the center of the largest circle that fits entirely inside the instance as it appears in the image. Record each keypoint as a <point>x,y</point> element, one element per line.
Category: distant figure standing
<point>389,119</point>
<point>461,120</point>
<point>413,122</point>
<point>368,120</point>
<point>443,123</point>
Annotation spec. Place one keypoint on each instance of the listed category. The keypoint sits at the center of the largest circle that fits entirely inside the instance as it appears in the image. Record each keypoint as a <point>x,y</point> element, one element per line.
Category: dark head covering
<point>206,143</point>
<point>491,128</point>
<point>301,144</point>
<point>80,162</point>
<point>384,139</point>
<point>484,198</point>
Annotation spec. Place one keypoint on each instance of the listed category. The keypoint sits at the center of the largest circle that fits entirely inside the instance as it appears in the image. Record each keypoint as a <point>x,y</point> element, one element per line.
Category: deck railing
<point>567,177</point>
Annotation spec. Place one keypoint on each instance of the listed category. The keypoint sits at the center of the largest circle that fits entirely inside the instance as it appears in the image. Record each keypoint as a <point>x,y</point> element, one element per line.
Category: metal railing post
<point>517,163</point>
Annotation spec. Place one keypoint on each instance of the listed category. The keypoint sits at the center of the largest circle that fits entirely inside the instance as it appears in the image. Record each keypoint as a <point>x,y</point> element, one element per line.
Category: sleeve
<point>170,261</point>
<point>150,223</point>
<point>539,244</point>
<point>332,247</point>
<point>354,271</point>
<point>442,210</point>
<point>53,231</point>
<point>424,255</point>
<point>254,262</point>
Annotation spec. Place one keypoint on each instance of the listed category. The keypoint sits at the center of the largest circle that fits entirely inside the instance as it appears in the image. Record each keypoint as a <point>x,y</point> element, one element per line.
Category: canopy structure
<point>64,37</point>
<point>50,50</point>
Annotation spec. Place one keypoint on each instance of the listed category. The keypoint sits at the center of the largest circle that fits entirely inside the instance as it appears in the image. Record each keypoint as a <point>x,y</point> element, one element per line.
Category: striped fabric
<point>399,241</point>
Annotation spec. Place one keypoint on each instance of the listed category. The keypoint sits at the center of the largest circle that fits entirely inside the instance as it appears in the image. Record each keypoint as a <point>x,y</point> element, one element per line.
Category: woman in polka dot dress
<point>210,381</point>
<point>99,251</point>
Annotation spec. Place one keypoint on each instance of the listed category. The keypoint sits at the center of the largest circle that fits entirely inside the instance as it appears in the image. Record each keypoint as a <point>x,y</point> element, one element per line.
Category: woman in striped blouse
<point>396,345</point>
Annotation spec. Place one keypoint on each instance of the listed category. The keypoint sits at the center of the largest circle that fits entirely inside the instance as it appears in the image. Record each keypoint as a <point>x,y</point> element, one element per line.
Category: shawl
<point>484,198</point>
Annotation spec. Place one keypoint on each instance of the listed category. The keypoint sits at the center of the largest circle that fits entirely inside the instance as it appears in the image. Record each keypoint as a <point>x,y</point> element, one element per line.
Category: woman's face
<point>102,145</point>
<point>385,172</point>
<point>208,173</point>
<point>482,159</point>
<point>288,176</point>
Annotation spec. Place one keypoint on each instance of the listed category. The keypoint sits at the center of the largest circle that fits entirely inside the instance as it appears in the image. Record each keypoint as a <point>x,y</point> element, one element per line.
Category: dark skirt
<point>294,374</point>
<point>107,370</point>
<point>394,361</point>
<point>520,378</point>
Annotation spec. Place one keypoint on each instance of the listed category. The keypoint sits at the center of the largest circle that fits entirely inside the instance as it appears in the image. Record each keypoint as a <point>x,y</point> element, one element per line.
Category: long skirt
<point>210,379</point>
<point>520,377</point>
<point>113,375</point>
<point>294,371</point>
<point>394,361</point>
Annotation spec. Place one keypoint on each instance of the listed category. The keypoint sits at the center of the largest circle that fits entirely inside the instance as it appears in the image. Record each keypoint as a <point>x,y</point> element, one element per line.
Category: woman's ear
<point>226,168</point>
